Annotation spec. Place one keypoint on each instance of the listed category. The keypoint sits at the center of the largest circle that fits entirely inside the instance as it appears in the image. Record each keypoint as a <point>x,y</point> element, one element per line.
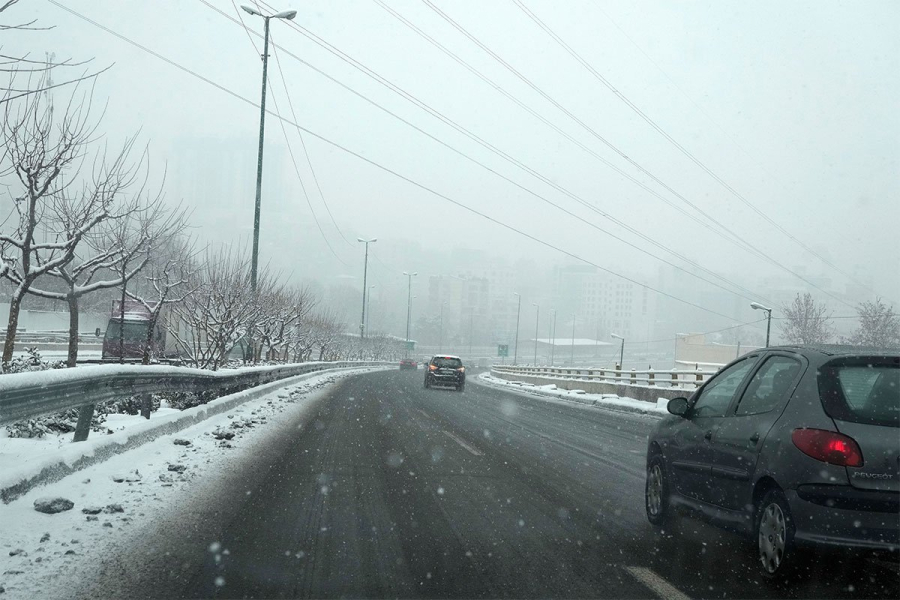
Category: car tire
<point>773,535</point>
<point>427,385</point>
<point>461,387</point>
<point>656,493</point>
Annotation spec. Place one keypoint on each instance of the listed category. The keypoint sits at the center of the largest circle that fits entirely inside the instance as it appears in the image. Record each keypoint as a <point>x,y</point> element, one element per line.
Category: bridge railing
<point>673,378</point>
<point>28,395</point>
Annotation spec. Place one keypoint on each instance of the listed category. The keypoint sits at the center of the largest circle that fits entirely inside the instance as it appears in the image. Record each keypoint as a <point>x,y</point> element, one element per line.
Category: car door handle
<point>708,435</point>
<point>755,437</point>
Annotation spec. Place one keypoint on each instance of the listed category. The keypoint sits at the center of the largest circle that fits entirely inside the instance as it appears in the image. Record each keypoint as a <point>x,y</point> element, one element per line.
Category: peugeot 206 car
<point>795,446</point>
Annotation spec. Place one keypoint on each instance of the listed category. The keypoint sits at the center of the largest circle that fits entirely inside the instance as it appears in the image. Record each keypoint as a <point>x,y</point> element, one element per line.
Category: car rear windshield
<point>862,390</point>
<point>443,362</point>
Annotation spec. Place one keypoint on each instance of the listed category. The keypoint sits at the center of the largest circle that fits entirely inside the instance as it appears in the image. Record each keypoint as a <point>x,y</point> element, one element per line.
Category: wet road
<point>388,489</point>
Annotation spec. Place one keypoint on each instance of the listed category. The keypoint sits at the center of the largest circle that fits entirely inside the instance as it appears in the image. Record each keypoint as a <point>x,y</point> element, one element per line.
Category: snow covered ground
<point>551,392</point>
<point>43,555</point>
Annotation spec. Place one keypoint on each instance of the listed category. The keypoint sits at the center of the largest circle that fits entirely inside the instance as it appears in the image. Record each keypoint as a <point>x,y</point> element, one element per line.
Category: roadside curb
<point>535,391</point>
<point>98,450</point>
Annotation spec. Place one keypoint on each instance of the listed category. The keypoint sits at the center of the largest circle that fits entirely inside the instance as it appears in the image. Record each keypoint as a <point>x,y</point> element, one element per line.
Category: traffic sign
<point>503,350</point>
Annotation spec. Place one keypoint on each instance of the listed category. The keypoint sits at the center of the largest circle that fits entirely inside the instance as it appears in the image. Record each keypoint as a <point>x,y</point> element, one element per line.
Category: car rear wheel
<point>774,534</point>
<point>461,387</point>
<point>659,511</point>
<point>427,385</point>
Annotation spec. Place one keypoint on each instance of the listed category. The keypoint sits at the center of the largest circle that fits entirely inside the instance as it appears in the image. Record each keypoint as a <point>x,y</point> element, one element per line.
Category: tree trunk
<point>122,322</point>
<point>15,304</point>
<point>154,317</point>
<point>72,358</point>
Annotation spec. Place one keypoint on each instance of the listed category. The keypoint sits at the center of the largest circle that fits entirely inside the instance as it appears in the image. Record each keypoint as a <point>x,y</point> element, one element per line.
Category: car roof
<point>838,349</point>
<point>445,356</point>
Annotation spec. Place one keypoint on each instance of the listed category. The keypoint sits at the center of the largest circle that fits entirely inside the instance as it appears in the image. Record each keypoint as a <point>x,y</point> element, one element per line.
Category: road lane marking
<point>422,412</point>
<point>468,447</point>
<point>663,588</point>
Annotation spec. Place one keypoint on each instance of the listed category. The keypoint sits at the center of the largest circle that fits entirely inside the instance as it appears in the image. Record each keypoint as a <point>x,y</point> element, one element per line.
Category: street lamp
<point>758,306</point>
<point>362,321</point>
<point>288,15</point>
<point>621,349</point>
<point>368,308</point>
<point>408,305</point>
<point>518,312</point>
<point>537,316</point>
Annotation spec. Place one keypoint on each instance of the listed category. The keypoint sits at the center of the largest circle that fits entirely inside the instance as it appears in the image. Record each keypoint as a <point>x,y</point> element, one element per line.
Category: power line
<point>589,151</point>
<point>736,238</point>
<point>671,139</point>
<point>396,89</point>
<point>382,167</point>
<point>303,144</point>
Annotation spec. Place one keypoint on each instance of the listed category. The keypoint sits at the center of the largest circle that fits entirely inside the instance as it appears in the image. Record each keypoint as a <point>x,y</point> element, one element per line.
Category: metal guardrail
<point>28,395</point>
<point>675,378</point>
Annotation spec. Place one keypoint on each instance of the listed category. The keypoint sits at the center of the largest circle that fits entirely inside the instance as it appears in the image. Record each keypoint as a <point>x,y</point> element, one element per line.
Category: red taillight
<point>432,367</point>
<point>828,446</point>
<point>461,369</point>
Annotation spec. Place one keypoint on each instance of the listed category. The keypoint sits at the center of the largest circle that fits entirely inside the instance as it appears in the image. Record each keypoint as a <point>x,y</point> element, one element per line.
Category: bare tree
<point>282,313</point>
<point>27,67</point>
<point>167,279</point>
<point>221,311</point>
<point>39,147</point>
<point>879,326</point>
<point>806,321</point>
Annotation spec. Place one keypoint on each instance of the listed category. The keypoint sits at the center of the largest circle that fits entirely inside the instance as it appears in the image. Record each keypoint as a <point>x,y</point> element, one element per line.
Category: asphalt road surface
<point>386,489</point>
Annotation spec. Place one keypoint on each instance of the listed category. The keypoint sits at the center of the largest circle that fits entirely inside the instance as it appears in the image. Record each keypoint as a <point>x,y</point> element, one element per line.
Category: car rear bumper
<point>445,379</point>
<point>843,516</point>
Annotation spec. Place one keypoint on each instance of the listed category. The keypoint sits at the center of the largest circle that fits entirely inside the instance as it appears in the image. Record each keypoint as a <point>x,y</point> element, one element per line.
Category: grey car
<point>795,446</point>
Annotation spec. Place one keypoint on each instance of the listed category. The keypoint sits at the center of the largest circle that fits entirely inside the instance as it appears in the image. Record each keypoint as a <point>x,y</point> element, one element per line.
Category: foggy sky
<point>792,104</point>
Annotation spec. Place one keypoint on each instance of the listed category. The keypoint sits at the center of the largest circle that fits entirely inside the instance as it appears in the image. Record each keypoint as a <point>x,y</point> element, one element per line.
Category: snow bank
<point>609,401</point>
<point>26,463</point>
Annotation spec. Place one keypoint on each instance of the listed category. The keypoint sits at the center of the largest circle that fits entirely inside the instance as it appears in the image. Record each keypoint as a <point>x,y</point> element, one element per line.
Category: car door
<point>689,447</point>
<point>738,437</point>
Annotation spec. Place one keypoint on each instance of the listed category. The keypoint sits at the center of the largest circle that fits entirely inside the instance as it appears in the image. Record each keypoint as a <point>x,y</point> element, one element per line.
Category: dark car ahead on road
<point>445,369</point>
<point>795,446</point>
<point>408,363</point>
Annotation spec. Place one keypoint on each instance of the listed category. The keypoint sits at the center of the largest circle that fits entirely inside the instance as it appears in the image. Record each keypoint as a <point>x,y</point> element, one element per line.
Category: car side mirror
<point>678,406</point>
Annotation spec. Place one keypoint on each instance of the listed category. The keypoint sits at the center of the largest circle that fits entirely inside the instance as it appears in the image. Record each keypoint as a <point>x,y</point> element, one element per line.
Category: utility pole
<point>369,308</point>
<point>441,336</point>
<point>362,321</point>
<point>408,305</point>
<point>287,14</point>
<point>537,316</point>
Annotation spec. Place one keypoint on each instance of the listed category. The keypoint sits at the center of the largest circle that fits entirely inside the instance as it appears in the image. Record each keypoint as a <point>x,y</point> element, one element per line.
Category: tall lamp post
<point>758,306</point>
<point>621,349</point>
<point>369,308</point>
<point>408,305</point>
<point>362,321</point>
<point>537,317</point>
<point>518,312</point>
<point>288,15</point>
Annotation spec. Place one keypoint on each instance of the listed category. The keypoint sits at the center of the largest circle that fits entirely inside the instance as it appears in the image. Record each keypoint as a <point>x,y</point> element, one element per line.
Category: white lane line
<point>422,412</point>
<point>663,588</point>
<point>468,447</point>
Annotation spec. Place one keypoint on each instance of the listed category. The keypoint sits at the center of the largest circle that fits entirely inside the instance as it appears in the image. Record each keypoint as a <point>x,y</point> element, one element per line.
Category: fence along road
<point>28,395</point>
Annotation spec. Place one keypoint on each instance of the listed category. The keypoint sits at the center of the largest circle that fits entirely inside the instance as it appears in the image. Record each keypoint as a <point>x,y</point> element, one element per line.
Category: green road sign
<point>410,345</point>
<point>503,350</point>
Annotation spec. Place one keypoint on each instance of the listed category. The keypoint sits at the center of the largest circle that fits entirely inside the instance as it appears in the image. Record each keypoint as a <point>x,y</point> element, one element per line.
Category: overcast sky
<point>793,105</point>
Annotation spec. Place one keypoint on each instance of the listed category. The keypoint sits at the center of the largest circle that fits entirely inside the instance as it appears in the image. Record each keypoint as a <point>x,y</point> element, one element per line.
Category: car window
<point>769,385</point>
<point>446,363</point>
<point>862,391</point>
<point>717,394</point>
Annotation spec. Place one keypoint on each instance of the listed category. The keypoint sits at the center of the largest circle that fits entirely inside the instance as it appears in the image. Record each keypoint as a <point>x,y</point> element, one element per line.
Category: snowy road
<point>380,488</point>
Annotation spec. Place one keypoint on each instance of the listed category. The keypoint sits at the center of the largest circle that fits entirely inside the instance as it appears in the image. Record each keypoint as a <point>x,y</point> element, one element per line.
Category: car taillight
<point>461,369</point>
<point>828,446</point>
<point>432,367</point>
